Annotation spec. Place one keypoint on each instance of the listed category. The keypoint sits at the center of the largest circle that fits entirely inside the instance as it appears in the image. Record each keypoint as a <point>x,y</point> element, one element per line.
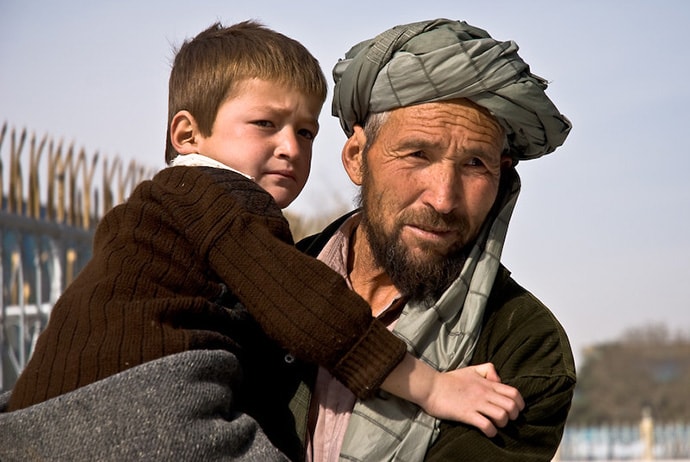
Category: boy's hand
<point>474,395</point>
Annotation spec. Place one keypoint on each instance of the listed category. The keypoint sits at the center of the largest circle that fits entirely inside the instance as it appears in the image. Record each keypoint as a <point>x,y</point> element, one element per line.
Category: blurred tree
<point>647,367</point>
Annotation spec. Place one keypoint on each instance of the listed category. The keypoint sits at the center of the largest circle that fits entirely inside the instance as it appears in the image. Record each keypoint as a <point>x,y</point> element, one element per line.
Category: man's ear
<point>184,133</point>
<point>352,155</point>
<point>507,162</point>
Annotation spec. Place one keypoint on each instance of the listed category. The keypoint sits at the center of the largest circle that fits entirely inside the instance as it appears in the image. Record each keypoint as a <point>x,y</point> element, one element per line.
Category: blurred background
<point>600,233</point>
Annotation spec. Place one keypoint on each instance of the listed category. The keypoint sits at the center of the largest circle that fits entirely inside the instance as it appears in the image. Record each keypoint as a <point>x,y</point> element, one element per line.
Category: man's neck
<point>368,279</point>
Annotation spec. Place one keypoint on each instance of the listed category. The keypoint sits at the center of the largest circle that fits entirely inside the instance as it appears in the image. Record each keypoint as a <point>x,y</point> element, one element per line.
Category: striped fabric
<point>441,60</point>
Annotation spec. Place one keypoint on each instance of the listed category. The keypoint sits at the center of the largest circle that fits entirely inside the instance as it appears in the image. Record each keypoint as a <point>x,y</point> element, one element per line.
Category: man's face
<point>428,183</point>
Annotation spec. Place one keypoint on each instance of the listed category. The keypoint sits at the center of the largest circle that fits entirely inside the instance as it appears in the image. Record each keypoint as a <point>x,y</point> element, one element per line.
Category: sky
<point>600,232</point>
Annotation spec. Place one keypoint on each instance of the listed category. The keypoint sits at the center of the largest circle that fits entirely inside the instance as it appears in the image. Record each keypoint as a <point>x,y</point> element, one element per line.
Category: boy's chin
<point>283,198</point>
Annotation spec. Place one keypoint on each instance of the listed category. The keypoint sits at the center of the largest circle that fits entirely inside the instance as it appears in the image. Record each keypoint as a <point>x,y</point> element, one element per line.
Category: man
<point>438,114</point>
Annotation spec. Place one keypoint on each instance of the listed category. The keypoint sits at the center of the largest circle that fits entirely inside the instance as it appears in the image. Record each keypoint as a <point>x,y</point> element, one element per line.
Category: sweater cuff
<point>364,368</point>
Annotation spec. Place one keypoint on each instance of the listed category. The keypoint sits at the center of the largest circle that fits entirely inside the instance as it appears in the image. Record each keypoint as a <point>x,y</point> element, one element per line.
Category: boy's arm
<point>472,395</point>
<point>297,300</point>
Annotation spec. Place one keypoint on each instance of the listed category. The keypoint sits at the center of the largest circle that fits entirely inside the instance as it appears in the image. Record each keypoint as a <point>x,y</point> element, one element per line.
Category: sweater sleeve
<point>297,300</point>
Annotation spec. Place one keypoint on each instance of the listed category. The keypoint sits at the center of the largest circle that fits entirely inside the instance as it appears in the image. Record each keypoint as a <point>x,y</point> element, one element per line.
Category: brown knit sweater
<point>168,266</point>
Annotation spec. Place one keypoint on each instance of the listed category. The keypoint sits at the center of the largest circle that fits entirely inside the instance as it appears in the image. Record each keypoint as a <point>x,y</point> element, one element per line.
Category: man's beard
<point>423,281</point>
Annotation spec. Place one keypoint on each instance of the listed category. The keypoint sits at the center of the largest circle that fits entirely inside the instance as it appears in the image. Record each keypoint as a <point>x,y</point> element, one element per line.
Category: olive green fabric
<point>531,352</point>
<point>440,60</point>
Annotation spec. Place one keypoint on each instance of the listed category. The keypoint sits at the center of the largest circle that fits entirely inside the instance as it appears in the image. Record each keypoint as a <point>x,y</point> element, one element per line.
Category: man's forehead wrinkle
<point>448,112</point>
<point>479,147</point>
<point>419,128</point>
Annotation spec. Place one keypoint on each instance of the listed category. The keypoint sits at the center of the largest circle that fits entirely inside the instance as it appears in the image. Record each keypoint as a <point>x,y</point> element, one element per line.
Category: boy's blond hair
<point>208,67</point>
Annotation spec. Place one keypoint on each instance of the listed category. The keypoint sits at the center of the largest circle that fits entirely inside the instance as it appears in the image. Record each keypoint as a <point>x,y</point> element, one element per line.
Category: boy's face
<point>266,130</point>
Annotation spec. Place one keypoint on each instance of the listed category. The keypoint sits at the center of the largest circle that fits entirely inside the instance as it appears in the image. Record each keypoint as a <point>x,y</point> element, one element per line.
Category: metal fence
<point>52,196</point>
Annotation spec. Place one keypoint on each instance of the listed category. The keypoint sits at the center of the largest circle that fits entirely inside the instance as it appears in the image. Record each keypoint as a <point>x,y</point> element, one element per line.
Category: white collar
<point>199,160</point>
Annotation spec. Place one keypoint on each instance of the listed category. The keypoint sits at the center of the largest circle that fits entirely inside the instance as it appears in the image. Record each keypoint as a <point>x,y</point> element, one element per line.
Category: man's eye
<point>475,162</point>
<point>418,154</point>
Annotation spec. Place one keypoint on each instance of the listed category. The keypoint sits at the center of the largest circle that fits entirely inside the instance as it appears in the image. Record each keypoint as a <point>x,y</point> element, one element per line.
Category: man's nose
<point>443,189</point>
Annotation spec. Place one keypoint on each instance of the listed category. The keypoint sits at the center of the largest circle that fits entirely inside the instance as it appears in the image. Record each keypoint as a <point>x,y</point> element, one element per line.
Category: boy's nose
<point>288,146</point>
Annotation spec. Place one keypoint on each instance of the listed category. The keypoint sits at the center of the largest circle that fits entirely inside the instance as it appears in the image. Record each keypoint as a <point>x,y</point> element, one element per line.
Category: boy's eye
<point>308,134</point>
<point>263,123</point>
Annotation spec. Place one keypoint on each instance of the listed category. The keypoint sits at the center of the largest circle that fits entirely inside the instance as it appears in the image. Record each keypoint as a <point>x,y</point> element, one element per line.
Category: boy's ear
<point>184,133</point>
<point>352,155</point>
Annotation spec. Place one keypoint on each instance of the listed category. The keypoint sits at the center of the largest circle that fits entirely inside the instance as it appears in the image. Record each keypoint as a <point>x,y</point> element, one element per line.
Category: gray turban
<point>442,59</point>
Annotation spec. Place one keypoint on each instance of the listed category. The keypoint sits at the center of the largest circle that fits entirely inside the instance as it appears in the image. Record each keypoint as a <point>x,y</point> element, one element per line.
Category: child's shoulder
<point>220,183</point>
<point>202,176</point>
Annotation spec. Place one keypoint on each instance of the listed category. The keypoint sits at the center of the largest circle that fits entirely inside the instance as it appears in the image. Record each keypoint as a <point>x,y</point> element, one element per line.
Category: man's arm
<point>531,352</point>
<point>534,436</point>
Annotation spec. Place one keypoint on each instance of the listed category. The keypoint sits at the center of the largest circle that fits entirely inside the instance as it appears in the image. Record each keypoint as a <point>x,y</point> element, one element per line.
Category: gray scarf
<point>387,428</point>
<point>440,60</point>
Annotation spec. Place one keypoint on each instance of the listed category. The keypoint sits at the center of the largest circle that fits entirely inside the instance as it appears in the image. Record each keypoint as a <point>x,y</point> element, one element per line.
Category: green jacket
<point>530,351</point>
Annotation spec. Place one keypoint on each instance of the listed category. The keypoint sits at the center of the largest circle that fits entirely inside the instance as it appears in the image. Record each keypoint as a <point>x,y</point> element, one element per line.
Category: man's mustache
<point>431,219</point>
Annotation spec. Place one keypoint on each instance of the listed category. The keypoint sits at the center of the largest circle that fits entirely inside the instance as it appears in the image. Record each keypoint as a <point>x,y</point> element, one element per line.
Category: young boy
<point>200,252</point>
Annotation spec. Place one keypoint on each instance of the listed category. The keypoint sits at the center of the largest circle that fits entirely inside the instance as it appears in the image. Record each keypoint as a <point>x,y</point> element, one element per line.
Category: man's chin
<point>420,243</point>
<point>426,255</point>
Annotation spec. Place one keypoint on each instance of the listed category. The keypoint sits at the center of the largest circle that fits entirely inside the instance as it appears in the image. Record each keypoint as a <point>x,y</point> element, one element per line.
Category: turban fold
<point>442,59</point>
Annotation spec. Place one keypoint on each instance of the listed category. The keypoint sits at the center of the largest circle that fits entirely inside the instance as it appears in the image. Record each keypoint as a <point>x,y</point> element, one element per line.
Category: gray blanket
<point>175,408</point>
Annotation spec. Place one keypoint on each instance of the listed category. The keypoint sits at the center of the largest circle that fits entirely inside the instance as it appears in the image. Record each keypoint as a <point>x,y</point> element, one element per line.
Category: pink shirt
<point>332,402</point>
